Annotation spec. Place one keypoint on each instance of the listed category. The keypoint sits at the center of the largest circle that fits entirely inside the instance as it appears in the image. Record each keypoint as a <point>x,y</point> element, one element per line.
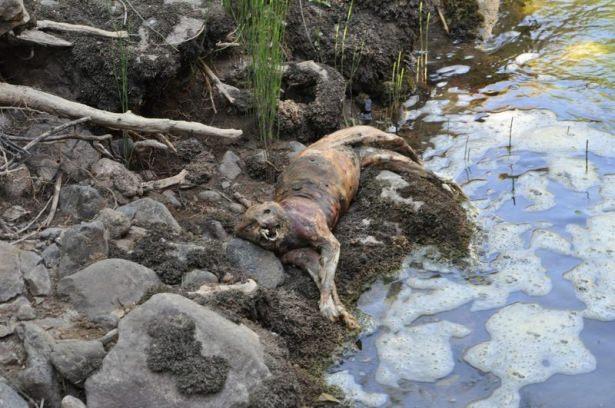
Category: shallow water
<point>529,134</point>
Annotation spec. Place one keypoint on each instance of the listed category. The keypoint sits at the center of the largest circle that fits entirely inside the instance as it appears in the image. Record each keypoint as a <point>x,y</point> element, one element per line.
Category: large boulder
<point>102,290</point>
<point>148,213</point>
<point>11,278</point>
<point>82,245</point>
<point>148,367</point>
<point>257,263</point>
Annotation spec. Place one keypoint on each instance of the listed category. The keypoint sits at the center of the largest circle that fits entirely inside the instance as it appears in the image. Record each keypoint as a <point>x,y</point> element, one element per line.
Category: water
<point>529,134</point>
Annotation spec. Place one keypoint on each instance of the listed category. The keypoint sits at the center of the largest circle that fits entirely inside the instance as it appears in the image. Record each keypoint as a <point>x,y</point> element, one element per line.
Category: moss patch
<point>175,350</point>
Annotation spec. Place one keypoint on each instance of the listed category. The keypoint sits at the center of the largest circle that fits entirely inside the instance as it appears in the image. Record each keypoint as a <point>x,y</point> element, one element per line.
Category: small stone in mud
<point>174,349</point>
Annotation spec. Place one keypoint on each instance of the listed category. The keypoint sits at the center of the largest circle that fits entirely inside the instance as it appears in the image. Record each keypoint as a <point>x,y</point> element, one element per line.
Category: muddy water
<point>528,131</point>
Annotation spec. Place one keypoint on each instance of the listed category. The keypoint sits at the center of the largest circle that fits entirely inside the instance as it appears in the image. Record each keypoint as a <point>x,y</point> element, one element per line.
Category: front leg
<point>330,303</point>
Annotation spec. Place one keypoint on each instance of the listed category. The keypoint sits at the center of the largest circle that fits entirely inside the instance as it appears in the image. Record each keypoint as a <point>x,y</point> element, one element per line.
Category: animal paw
<point>328,308</point>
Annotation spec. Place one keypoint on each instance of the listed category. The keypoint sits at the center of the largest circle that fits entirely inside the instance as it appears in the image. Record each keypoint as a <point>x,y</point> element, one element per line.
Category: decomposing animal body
<point>311,194</point>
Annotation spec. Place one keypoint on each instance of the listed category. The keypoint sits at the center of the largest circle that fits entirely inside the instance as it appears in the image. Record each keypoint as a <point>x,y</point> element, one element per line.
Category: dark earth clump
<point>463,17</point>
<point>175,350</point>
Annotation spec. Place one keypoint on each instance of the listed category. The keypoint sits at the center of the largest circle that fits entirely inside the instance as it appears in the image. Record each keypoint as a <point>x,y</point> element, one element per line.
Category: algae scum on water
<point>530,320</point>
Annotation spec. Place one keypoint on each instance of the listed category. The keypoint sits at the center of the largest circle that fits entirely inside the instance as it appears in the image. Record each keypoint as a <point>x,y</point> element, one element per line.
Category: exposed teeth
<point>266,233</point>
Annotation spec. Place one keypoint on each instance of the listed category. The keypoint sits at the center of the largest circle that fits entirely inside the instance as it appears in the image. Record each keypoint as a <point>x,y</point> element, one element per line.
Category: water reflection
<point>545,190</point>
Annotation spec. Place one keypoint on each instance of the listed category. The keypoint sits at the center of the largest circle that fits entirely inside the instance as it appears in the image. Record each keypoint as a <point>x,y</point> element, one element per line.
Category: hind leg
<point>401,164</point>
<point>368,136</point>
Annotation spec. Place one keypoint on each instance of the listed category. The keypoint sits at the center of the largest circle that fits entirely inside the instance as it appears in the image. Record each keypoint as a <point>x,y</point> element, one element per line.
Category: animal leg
<point>367,136</point>
<point>399,163</point>
<point>306,259</point>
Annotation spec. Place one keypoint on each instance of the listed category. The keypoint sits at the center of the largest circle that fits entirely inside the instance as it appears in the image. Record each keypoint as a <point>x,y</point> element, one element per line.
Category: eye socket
<point>277,226</point>
<point>267,211</point>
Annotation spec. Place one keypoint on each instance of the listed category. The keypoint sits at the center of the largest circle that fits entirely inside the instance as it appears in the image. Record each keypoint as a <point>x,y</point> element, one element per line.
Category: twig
<point>586,156</point>
<point>26,96</point>
<point>102,150</point>
<point>54,201</point>
<point>55,130</point>
<point>166,182</point>
<point>510,134</point>
<point>442,19</point>
<point>166,141</point>
<point>78,28</point>
<point>222,87</point>
<point>149,143</point>
<point>222,45</point>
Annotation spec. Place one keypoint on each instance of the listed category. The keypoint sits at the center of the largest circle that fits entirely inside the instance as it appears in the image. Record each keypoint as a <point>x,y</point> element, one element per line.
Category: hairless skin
<point>311,194</point>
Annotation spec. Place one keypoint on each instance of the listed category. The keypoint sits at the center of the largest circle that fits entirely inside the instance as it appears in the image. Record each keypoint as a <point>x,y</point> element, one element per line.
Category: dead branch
<point>78,28</point>
<point>221,86</point>
<point>161,184</point>
<point>102,150</point>
<point>54,201</point>
<point>166,141</point>
<point>87,138</point>
<point>41,38</point>
<point>26,96</point>
<point>442,19</point>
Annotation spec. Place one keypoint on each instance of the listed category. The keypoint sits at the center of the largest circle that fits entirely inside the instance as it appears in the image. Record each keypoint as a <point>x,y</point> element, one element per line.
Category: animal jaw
<point>264,224</point>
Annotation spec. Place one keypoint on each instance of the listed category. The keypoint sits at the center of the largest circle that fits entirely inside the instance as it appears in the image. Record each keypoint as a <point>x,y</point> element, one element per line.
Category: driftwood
<point>78,28</point>
<point>18,95</point>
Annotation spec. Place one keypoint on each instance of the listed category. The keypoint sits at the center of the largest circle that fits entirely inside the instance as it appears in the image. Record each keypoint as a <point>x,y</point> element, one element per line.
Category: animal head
<point>264,224</point>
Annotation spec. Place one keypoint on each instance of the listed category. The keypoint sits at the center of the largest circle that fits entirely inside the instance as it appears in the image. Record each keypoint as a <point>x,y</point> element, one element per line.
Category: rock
<point>295,148</point>
<point>213,229</point>
<point>115,222</point>
<point>75,360</point>
<point>8,356</point>
<point>71,402</point>
<point>229,167</point>
<point>202,168</point>
<point>316,109</point>
<point>198,277</point>
<point>125,379</point>
<point>51,233</point>
<point>26,312</point>
<point>148,213</point>
<point>211,197</point>
<point>38,379</point>
<point>188,149</point>
<point>9,398</point>
<point>257,263</point>
<point>14,213</point>
<point>12,14</point>
<point>127,244</point>
<point>236,208</point>
<point>51,256</point>
<point>17,183</point>
<point>11,278</point>
<point>171,198</point>
<point>9,310</point>
<point>81,202</point>
<point>78,156</point>
<point>113,175</point>
<point>102,290</point>
<point>35,273</point>
<point>81,246</point>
